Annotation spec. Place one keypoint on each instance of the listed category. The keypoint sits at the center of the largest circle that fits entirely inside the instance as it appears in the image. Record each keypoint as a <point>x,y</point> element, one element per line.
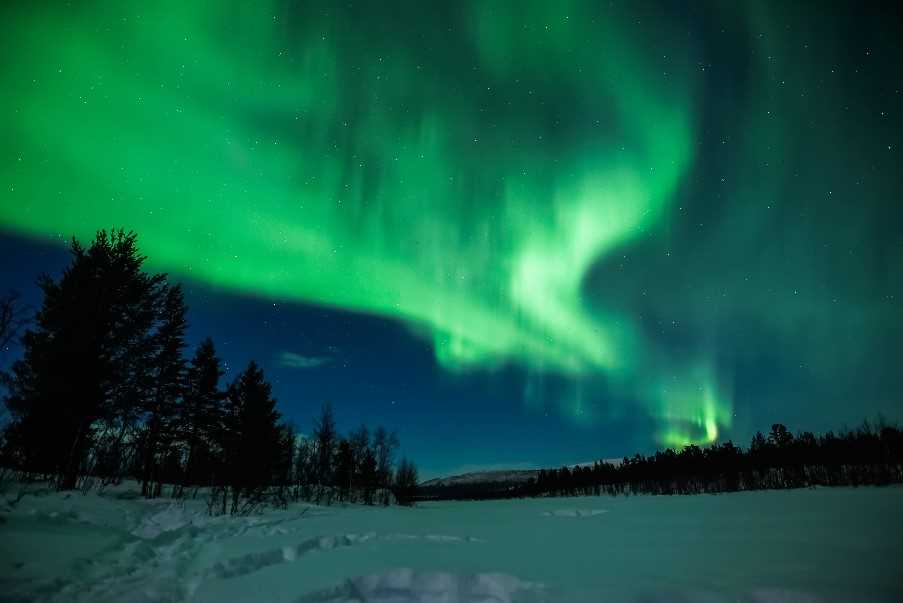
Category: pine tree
<point>86,359</point>
<point>168,381</point>
<point>253,436</point>
<point>201,414</point>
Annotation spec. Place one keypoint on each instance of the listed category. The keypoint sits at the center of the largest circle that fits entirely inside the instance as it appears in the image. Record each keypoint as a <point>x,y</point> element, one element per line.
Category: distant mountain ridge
<point>495,477</point>
<point>508,476</point>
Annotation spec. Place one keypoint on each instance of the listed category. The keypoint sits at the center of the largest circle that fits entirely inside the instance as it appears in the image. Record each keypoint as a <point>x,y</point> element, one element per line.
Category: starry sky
<point>519,233</point>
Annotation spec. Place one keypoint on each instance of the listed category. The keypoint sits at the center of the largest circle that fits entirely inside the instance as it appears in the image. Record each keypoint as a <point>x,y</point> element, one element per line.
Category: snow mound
<point>404,585</point>
<point>170,518</point>
<point>575,512</point>
<point>253,562</point>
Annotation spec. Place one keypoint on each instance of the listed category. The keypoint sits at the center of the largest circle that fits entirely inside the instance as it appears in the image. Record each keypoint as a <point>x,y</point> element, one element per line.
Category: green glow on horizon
<point>695,409</point>
<point>308,162</point>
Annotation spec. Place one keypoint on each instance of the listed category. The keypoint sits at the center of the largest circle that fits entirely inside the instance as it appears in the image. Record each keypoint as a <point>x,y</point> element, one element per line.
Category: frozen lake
<point>802,545</point>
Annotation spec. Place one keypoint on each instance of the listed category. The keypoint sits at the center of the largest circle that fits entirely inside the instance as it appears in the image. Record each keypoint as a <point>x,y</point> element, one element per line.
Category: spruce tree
<point>201,415</point>
<point>168,382</point>
<point>253,436</point>
<point>86,358</point>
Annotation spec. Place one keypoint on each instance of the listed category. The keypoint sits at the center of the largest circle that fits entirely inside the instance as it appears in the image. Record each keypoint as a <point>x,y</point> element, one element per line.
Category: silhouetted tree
<point>405,486</point>
<point>369,476</point>
<point>384,446</point>
<point>344,468</point>
<point>779,436</point>
<point>103,391</point>
<point>85,359</point>
<point>285,461</point>
<point>201,416</point>
<point>325,436</point>
<point>867,455</point>
<point>305,467</point>
<point>167,384</point>
<point>253,437</point>
<point>359,440</point>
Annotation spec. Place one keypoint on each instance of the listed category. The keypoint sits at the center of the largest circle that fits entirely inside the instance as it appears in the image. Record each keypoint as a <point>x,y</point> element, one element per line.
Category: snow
<point>405,585</point>
<point>823,545</point>
<point>574,512</point>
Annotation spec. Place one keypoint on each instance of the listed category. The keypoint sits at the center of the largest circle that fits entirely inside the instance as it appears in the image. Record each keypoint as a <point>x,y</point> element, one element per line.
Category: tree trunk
<point>69,476</point>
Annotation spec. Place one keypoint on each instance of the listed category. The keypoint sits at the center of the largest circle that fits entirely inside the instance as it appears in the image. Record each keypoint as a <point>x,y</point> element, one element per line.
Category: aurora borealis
<point>689,216</point>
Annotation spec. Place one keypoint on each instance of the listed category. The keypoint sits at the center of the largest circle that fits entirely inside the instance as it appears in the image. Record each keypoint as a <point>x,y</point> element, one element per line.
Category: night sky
<point>521,234</point>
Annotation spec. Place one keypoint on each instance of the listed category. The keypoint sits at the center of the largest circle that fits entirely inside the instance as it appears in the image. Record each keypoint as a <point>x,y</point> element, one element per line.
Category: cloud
<point>299,361</point>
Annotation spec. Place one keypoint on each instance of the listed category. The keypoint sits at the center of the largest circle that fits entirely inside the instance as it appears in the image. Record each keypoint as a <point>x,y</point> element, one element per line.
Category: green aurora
<point>465,170</point>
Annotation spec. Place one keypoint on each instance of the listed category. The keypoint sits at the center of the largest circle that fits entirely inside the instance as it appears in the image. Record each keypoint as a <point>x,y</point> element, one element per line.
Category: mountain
<point>505,476</point>
<point>485,484</point>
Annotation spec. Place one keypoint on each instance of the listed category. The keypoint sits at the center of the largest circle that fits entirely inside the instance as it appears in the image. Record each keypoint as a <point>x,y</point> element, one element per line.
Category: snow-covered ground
<point>806,545</point>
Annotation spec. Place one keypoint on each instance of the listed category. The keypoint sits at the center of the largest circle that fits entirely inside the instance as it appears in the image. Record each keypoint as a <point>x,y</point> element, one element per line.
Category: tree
<point>758,442</point>
<point>168,382</point>
<point>369,475</point>
<point>253,436</point>
<point>384,447</point>
<point>285,460</point>
<point>780,436</point>
<point>359,440</point>
<point>405,485</point>
<point>344,468</point>
<point>305,466</point>
<point>201,413</point>
<point>86,358</point>
<point>325,435</point>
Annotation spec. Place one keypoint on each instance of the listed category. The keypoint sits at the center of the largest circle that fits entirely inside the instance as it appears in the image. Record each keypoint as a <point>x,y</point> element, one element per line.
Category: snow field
<point>825,545</point>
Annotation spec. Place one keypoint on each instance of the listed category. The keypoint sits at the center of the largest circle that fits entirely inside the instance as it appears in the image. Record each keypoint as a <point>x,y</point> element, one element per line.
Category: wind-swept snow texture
<point>824,545</point>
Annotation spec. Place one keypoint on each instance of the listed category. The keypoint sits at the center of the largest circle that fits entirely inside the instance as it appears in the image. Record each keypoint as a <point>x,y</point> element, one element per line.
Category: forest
<point>105,392</point>
<point>868,455</point>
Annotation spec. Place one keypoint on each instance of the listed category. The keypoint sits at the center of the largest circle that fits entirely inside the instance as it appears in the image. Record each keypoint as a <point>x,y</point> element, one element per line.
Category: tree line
<point>864,456</point>
<point>867,455</point>
<point>104,392</point>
